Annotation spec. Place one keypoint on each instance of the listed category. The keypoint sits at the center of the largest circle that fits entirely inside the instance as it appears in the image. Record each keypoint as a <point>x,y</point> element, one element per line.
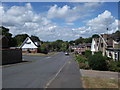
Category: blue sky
<point>60,20</point>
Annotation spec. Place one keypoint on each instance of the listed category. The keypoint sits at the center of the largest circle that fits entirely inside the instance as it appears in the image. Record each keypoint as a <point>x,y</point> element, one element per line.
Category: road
<point>55,71</point>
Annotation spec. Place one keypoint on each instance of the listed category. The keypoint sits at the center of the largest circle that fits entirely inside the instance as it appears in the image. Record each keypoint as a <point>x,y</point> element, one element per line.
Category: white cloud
<point>100,24</point>
<point>22,19</point>
<point>70,14</point>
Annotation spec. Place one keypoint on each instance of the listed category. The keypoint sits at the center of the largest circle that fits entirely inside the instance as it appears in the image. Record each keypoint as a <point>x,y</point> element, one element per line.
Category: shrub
<point>97,62</point>
<point>83,66</point>
<point>88,53</point>
<point>44,50</point>
<point>114,66</point>
<point>80,59</point>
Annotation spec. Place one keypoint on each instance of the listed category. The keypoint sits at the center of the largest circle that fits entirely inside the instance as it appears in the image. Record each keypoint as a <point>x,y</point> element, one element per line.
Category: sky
<point>66,21</point>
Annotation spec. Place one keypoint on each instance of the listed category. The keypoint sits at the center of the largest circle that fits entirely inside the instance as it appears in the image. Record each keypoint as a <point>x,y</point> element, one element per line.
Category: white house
<point>107,45</point>
<point>94,46</point>
<point>29,46</point>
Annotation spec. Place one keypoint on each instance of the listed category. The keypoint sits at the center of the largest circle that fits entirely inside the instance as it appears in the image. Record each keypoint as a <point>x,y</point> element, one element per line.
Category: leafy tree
<point>78,41</point>
<point>116,35</point>
<point>95,36</point>
<point>72,43</point>
<point>5,31</point>
<point>20,39</point>
<point>43,48</point>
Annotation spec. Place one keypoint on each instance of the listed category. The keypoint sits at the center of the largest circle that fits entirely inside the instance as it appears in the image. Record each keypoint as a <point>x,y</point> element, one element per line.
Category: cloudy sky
<point>60,20</point>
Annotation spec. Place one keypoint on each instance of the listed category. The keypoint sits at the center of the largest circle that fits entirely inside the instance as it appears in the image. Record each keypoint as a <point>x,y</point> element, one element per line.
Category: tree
<point>72,43</point>
<point>20,39</point>
<point>116,35</point>
<point>5,31</point>
<point>95,36</point>
<point>43,48</point>
<point>79,40</point>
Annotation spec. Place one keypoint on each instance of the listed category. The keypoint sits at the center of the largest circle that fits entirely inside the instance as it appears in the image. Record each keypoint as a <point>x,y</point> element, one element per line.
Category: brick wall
<point>10,56</point>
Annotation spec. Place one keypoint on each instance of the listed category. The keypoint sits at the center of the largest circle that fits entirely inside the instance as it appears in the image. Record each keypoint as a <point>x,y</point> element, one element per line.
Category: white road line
<point>48,57</point>
<point>50,81</point>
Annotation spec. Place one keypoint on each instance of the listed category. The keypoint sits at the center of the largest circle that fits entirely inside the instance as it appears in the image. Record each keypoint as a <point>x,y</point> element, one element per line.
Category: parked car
<point>66,53</point>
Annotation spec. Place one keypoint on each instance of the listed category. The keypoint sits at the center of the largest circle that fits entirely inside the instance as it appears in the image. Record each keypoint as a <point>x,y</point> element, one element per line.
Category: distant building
<point>107,45</point>
<point>29,46</point>
<point>81,48</point>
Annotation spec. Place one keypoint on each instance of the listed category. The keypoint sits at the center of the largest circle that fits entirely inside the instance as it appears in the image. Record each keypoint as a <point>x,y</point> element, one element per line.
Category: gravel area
<point>99,74</point>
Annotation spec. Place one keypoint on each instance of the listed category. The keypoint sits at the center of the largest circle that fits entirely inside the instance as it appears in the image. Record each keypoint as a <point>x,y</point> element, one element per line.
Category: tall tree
<point>20,39</point>
<point>5,31</point>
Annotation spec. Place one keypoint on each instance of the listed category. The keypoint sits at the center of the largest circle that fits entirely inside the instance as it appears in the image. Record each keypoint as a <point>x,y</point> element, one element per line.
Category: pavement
<point>54,71</point>
<point>69,76</point>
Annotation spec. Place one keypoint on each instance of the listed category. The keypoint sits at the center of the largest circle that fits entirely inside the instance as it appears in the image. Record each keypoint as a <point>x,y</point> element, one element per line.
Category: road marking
<point>50,81</point>
<point>48,57</point>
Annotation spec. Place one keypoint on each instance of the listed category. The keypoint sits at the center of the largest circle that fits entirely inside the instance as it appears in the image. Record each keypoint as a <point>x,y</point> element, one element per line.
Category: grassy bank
<point>92,82</point>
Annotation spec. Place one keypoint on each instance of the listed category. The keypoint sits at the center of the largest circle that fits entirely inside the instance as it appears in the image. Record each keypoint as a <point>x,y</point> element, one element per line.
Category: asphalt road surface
<point>55,71</point>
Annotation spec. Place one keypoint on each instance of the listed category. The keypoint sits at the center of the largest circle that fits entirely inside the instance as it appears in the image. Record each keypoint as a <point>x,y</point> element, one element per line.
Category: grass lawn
<point>93,82</point>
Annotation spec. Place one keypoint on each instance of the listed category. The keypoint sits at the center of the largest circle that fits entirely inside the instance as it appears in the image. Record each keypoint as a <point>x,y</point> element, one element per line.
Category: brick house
<point>107,45</point>
<point>81,48</point>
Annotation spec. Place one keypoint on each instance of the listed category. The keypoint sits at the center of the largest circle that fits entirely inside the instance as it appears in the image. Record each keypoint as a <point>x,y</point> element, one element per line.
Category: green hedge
<point>97,62</point>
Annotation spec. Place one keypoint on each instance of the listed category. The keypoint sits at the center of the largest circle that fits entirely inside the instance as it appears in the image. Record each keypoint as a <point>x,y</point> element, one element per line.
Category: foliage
<point>80,58</point>
<point>116,35</point>
<point>83,62</point>
<point>114,65</point>
<point>5,31</point>
<point>20,39</point>
<point>95,36</point>
<point>97,62</point>
<point>88,53</point>
<point>43,48</point>
<point>84,66</point>
<point>82,40</point>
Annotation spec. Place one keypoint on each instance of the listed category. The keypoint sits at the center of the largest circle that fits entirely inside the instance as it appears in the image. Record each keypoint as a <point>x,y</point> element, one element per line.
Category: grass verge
<point>90,82</point>
<point>41,54</point>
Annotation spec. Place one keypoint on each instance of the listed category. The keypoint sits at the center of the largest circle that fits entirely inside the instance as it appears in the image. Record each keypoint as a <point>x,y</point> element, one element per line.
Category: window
<point>101,44</point>
<point>115,55</point>
<point>28,42</point>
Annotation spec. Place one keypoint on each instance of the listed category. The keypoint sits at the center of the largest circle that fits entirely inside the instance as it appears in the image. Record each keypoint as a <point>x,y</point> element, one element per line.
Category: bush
<point>80,59</point>
<point>114,66</point>
<point>83,66</point>
<point>83,63</point>
<point>88,53</point>
<point>43,50</point>
<point>97,62</point>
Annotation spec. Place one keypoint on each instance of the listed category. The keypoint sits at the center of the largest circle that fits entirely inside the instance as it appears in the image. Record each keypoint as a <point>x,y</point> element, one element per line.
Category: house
<point>81,48</point>
<point>107,45</point>
<point>115,51</point>
<point>94,45</point>
<point>29,46</point>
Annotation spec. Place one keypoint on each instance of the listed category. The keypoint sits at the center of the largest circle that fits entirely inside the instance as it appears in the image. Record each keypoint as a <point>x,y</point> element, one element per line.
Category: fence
<point>10,56</point>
